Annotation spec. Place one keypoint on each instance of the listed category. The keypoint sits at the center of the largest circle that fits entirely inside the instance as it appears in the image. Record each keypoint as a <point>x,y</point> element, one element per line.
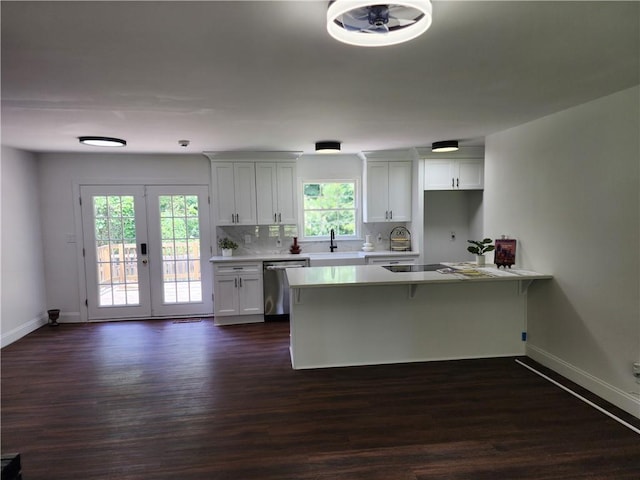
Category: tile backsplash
<point>264,239</point>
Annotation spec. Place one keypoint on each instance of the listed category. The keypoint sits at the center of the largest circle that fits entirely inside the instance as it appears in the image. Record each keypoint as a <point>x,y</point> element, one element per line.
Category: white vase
<point>227,252</point>
<point>480,260</point>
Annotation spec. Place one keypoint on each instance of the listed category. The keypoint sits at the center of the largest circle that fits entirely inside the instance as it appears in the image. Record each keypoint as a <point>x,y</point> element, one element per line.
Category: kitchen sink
<point>335,259</point>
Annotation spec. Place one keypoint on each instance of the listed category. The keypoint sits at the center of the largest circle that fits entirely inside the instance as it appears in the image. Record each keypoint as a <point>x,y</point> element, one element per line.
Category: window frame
<point>357,207</point>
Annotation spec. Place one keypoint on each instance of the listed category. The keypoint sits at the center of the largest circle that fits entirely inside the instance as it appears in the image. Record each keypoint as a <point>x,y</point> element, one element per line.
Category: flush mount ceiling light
<point>102,141</point>
<point>328,146</point>
<point>367,24</point>
<point>444,146</point>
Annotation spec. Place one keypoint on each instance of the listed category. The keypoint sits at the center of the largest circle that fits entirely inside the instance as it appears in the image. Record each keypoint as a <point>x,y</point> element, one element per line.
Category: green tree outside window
<point>328,205</point>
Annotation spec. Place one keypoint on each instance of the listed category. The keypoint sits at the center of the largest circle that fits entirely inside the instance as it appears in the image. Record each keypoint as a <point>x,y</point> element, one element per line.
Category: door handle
<point>145,261</point>
<point>143,249</point>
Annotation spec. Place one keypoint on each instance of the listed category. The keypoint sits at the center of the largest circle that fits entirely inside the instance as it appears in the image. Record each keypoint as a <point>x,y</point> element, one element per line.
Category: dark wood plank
<point>165,400</point>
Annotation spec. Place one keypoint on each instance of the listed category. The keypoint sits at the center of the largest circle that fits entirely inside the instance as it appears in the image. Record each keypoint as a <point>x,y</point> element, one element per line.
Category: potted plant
<point>479,248</point>
<point>227,246</point>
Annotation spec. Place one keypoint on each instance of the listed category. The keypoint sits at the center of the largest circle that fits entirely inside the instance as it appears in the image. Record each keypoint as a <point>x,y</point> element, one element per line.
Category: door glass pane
<point>180,231</point>
<point>116,253</point>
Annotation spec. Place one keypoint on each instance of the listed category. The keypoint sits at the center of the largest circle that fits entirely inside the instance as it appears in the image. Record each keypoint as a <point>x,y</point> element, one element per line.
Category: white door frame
<point>76,183</point>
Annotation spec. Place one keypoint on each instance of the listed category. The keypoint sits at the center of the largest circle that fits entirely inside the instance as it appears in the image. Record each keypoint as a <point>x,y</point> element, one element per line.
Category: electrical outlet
<point>379,239</point>
<point>247,239</point>
<point>278,242</point>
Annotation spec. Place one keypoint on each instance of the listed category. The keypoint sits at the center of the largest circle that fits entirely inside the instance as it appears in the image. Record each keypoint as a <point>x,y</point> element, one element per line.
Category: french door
<point>146,251</point>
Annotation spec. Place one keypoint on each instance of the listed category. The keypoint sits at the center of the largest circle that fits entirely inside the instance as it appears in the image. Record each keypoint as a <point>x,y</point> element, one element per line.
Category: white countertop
<point>359,275</point>
<point>302,256</point>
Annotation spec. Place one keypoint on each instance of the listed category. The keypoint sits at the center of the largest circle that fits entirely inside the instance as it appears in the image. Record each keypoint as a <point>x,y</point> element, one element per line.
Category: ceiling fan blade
<point>376,29</point>
<point>351,22</point>
<point>401,22</point>
<point>400,11</point>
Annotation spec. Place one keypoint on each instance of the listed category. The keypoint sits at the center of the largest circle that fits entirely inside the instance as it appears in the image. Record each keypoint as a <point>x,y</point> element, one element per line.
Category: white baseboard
<point>70,317</point>
<point>26,328</point>
<point>621,399</point>
<point>238,319</point>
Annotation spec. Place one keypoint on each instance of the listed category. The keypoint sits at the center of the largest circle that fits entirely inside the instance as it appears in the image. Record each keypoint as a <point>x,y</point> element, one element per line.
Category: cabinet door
<point>287,198</point>
<point>244,181</point>
<point>400,191</point>
<point>250,295</point>
<point>470,174</point>
<point>377,192</point>
<point>225,295</point>
<point>223,193</point>
<point>439,175</point>
<point>266,196</point>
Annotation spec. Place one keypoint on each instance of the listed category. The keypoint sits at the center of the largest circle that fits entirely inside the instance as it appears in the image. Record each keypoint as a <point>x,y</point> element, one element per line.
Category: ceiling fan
<point>363,23</point>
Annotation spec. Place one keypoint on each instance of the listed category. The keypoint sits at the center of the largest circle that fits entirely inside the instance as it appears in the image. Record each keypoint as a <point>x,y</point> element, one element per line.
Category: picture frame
<point>505,253</point>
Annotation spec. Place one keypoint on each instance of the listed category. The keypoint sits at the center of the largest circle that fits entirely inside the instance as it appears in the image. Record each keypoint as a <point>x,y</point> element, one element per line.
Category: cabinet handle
<point>280,217</point>
<point>458,182</point>
<point>236,281</point>
<point>386,215</point>
<point>452,183</point>
<point>275,217</point>
<point>237,218</point>
<point>390,214</point>
<point>240,281</point>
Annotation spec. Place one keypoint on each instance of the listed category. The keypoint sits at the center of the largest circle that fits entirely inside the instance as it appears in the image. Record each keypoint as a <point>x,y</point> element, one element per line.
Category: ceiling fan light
<point>328,146</point>
<point>102,141</point>
<point>399,34</point>
<point>444,146</point>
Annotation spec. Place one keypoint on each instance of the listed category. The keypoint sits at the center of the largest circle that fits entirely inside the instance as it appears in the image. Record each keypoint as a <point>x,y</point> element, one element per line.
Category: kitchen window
<point>329,205</point>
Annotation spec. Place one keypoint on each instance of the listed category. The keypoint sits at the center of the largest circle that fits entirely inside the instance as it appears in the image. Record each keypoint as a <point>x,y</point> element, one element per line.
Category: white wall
<point>567,187</point>
<point>59,172</point>
<point>22,278</point>
<point>445,212</point>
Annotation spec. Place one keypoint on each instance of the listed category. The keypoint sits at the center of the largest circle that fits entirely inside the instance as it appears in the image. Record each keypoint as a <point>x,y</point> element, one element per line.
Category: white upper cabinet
<point>234,190</point>
<point>276,193</point>
<point>454,174</point>
<point>387,188</point>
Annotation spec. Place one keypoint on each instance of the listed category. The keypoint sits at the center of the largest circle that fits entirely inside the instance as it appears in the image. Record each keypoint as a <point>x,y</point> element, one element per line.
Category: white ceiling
<point>265,75</point>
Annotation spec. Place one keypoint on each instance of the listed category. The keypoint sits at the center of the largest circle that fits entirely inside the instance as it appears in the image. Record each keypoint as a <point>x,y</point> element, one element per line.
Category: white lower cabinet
<point>237,289</point>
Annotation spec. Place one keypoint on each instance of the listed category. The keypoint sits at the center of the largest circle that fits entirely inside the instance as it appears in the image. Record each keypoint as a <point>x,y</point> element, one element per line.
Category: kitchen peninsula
<point>369,314</point>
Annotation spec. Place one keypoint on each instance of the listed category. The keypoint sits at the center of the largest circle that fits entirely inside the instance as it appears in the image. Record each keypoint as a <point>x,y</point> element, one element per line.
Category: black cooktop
<point>432,267</point>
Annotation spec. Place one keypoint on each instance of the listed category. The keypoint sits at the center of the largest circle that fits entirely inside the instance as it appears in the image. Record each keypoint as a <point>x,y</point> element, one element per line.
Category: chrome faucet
<point>332,246</point>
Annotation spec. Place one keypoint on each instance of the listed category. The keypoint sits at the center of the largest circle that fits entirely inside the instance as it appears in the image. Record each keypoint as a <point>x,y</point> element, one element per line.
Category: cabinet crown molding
<point>241,156</point>
<point>407,154</point>
<point>462,152</point>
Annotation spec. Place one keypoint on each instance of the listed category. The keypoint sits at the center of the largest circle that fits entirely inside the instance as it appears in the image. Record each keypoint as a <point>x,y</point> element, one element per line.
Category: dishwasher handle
<point>282,267</point>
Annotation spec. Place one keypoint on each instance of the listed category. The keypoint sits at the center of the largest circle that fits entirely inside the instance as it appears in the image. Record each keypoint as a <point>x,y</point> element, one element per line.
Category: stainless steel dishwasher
<point>276,288</point>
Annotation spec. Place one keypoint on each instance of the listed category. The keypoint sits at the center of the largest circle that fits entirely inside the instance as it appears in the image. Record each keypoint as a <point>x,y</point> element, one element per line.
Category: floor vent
<point>187,320</point>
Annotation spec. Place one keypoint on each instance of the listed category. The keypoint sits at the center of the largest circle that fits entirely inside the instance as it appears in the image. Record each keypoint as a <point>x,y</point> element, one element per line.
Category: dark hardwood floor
<point>164,400</point>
